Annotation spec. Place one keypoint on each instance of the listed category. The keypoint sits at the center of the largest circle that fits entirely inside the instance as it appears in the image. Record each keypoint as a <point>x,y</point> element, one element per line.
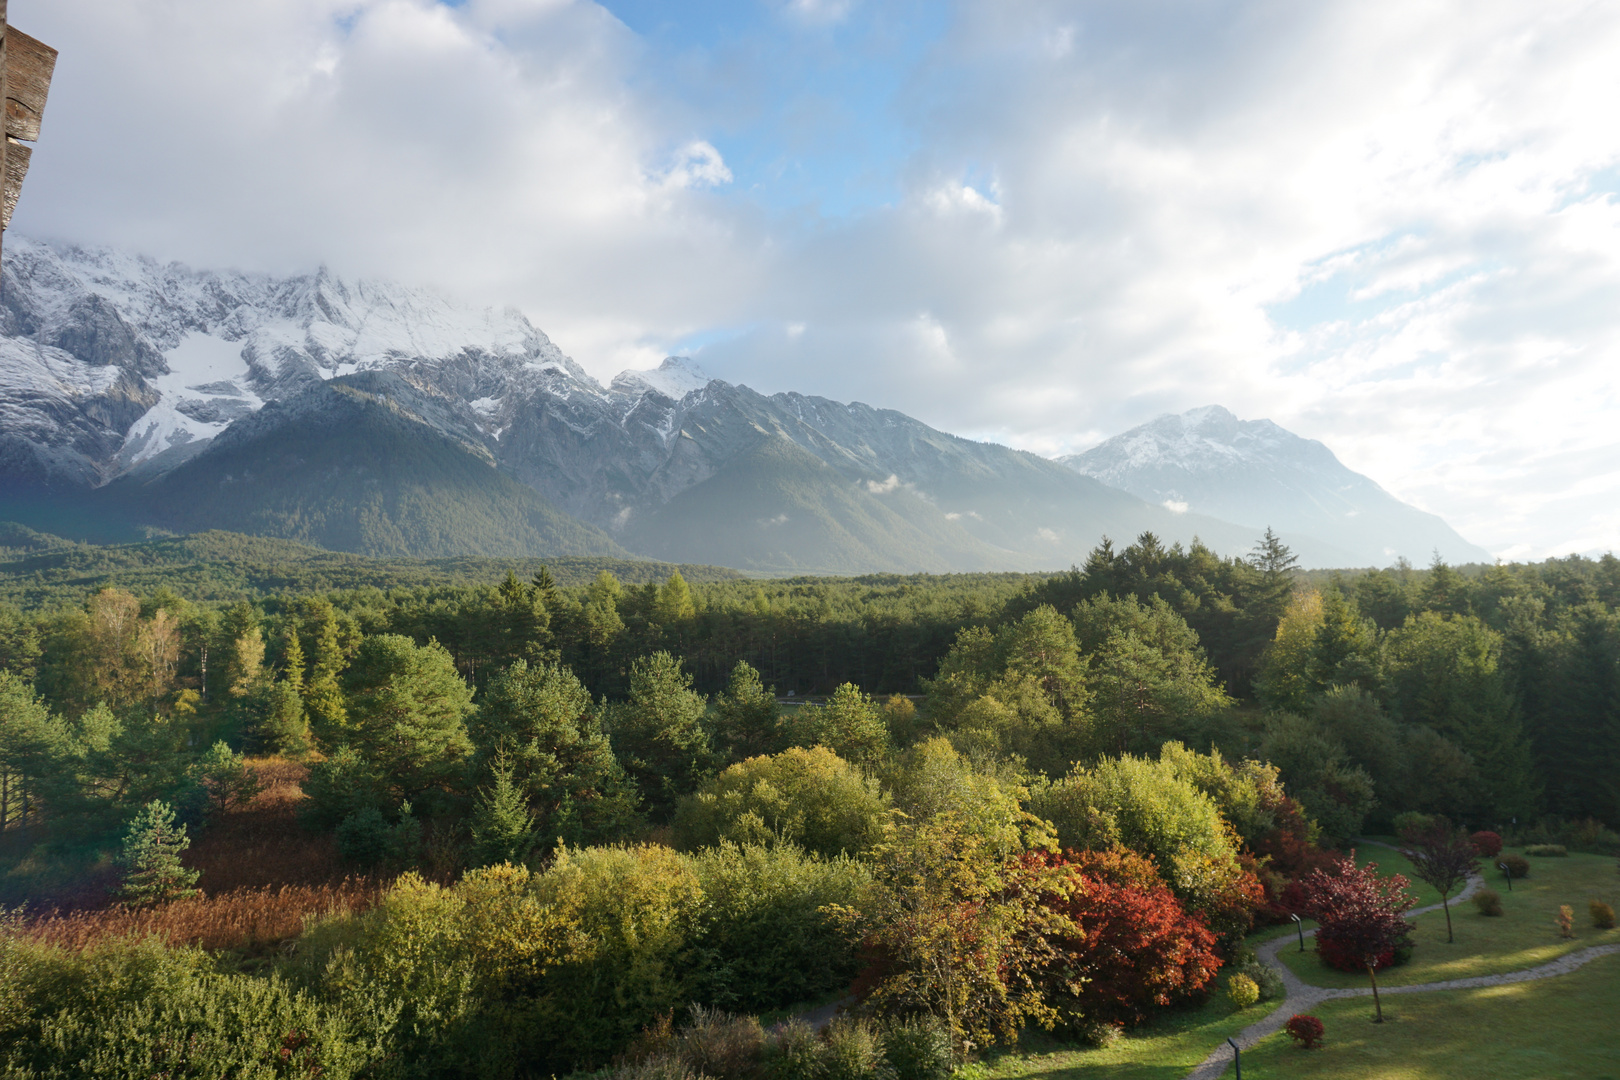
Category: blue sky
<point>1388,226</point>
<point>808,109</point>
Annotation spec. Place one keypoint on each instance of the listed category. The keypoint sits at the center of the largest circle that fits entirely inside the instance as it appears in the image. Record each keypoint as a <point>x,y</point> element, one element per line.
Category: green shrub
<point>366,838</point>
<point>918,1048</point>
<point>1547,850</point>
<point>765,934</point>
<point>1092,1032</point>
<point>1264,976</point>
<point>1602,914</point>
<point>1410,821</point>
<point>720,1045</point>
<point>810,797</point>
<point>1242,991</point>
<point>1517,865</point>
<point>1488,902</point>
<point>1589,835</point>
<point>795,1053</point>
<point>134,1008</point>
<point>854,1051</point>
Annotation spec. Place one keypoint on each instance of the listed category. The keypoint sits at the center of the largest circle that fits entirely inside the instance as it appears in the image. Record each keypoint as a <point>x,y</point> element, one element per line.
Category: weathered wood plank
<point>29,66</point>
<point>17,155</point>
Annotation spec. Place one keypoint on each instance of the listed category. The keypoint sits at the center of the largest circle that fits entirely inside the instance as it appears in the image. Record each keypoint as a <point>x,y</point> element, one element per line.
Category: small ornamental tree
<point>1362,917</point>
<point>1305,1030</point>
<point>1487,843</point>
<point>1133,946</point>
<point>1444,857</point>
<point>153,873</point>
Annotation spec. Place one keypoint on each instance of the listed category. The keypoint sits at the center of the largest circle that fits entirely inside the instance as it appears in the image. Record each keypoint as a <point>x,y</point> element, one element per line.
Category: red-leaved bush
<point>1487,843</point>
<point>1284,855</point>
<point>1305,1030</point>
<point>1136,947</point>
<point>1361,912</point>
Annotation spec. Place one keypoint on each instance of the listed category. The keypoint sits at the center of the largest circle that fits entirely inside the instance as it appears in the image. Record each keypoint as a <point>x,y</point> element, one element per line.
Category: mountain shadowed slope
<point>1256,473</point>
<point>778,508</point>
<point>348,465</point>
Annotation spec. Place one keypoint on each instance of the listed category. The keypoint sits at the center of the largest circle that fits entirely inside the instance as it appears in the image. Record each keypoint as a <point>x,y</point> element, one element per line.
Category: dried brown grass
<point>262,845</point>
<point>247,919</point>
<point>262,878</point>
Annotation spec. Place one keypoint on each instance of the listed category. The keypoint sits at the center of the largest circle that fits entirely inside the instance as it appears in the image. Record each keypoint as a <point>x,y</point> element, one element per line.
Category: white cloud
<point>1389,226</point>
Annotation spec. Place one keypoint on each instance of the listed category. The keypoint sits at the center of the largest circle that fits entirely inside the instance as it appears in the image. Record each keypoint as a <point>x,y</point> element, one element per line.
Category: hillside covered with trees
<point>379,821</point>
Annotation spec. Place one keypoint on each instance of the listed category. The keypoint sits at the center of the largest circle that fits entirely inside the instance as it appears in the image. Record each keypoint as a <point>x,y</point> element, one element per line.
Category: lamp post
<point>1237,1058</point>
<point>1300,928</point>
<point>1502,866</point>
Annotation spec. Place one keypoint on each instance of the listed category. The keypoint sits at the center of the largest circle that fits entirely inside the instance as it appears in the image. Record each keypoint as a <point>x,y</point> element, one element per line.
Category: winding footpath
<point>1302,996</point>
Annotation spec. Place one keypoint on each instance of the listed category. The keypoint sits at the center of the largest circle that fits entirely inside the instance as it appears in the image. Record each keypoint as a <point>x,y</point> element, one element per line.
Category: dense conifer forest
<point>268,811</point>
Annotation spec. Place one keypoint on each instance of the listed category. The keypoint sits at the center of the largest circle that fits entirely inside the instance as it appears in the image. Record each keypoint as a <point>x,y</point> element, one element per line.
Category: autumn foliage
<point>1487,843</point>
<point>1305,1030</point>
<point>1361,912</point>
<point>1134,946</point>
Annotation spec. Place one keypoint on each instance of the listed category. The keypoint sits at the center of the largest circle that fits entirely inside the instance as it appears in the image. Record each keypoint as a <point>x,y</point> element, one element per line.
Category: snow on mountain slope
<point>199,349</point>
<point>1256,473</point>
<point>676,377</point>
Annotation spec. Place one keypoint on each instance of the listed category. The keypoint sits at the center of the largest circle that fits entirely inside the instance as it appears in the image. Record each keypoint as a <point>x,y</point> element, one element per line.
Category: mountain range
<point>369,417</point>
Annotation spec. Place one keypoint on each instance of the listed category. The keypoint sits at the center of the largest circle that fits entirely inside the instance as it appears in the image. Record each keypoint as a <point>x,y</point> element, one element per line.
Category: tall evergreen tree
<point>153,872</point>
<point>658,731</point>
<point>502,824</point>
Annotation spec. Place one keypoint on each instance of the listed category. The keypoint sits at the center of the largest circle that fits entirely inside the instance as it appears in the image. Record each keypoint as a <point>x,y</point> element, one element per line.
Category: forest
<point>518,819</point>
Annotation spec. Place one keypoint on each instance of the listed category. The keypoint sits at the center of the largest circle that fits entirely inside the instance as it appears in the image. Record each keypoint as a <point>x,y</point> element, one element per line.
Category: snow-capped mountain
<point>111,363</point>
<point>1253,472</point>
<point>164,392</point>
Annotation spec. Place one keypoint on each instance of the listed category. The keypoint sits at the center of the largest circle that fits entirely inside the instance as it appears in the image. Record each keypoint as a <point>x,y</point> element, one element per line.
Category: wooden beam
<point>17,155</point>
<point>3,147</point>
<point>29,65</point>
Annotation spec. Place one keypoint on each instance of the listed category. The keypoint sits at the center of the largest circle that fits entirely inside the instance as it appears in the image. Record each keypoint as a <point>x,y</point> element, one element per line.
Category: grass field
<point>1523,936</point>
<point>1559,1027</point>
<point>1171,1045</point>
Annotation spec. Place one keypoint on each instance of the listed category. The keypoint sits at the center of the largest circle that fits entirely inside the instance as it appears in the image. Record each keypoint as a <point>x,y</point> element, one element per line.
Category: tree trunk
<point>1372,973</point>
<point>1446,905</point>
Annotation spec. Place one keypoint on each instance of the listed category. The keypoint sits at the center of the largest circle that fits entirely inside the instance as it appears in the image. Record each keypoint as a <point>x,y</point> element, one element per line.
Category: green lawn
<point>1393,862</point>
<point>1559,1027</point>
<point>1171,1045</point>
<point>1523,936</point>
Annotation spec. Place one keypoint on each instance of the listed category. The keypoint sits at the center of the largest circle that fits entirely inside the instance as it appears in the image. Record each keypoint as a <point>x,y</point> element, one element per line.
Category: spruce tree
<point>153,873</point>
<point>502,823</point>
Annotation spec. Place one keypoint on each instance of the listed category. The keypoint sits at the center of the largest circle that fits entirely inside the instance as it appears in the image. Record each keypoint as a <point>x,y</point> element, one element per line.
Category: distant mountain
<point>364,416</point>
<point>357,464</point>
<point>1256,473</point>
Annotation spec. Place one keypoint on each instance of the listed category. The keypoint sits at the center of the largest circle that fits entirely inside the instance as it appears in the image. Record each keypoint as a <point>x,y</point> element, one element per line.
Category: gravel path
<point>1302,996</point>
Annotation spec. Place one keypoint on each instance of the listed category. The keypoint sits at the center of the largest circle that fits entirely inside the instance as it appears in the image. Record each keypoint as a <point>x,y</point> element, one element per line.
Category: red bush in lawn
<point>1136,948</point>
<point>1305,1030</point>
<point>1362,916</point>
<point>1487,843</point>
<point>1361,912</point>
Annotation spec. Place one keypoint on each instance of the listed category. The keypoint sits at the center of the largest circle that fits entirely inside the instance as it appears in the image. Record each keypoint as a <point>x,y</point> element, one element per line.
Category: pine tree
<point>226,778</point>
<point>292,661</point>
<point>502,823</point>
<point>675,603</point>
<point>745,722</point>
<point>323,696</point>
<point>153,873</point>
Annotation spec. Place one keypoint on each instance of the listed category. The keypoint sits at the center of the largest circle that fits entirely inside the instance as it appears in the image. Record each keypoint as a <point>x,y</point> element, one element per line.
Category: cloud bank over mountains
<point>1388,226</point>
